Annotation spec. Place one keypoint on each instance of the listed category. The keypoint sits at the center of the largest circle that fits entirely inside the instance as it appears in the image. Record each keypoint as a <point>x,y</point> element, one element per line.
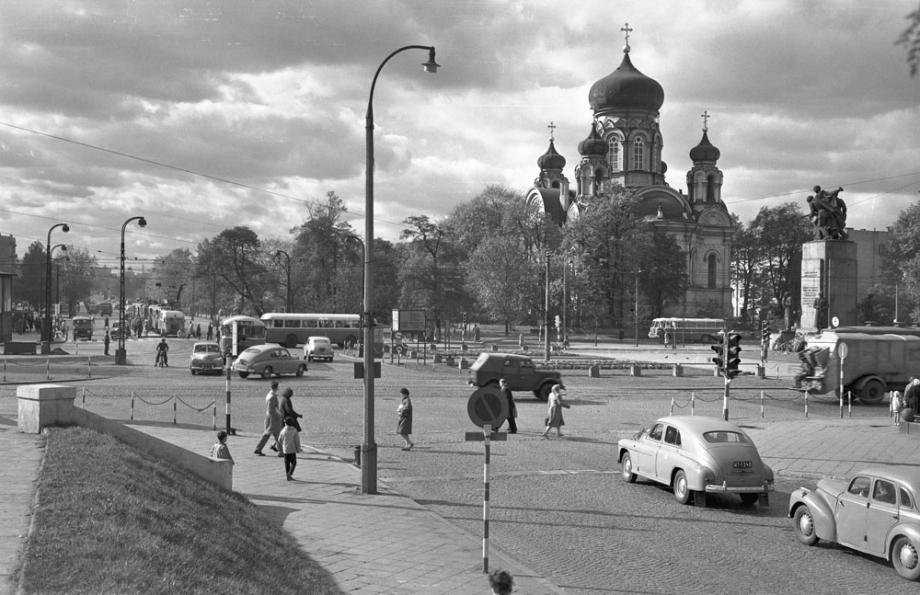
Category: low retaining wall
<point>43,405</point>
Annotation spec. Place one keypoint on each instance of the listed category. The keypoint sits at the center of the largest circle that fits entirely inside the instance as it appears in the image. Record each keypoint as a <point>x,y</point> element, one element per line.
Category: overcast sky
<point>204,115</point>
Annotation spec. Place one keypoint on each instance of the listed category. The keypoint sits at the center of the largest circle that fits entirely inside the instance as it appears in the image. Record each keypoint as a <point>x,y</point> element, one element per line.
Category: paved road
<point>558,505</point>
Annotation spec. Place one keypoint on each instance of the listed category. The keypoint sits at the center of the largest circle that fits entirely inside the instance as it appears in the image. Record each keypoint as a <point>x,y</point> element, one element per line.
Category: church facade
<point>623,148</point>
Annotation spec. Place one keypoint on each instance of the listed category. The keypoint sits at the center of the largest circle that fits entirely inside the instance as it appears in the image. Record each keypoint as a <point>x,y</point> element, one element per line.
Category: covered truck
<point>878,359</point>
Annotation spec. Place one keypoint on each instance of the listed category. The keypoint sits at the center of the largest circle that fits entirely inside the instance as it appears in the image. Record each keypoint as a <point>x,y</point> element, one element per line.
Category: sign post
<point>842,351</point>
<point>487,409</point>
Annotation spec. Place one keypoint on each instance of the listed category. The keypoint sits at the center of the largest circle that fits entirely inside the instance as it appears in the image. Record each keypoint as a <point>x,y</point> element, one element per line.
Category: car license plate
<point>742,464</point>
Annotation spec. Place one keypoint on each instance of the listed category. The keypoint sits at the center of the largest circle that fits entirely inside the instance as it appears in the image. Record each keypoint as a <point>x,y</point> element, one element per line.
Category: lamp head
<point>431,66</point>
<point>65,228</point>
<point>142,222</point>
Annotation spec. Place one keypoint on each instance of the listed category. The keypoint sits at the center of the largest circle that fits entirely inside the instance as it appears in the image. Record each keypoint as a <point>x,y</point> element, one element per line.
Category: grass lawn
<point>111,519</point>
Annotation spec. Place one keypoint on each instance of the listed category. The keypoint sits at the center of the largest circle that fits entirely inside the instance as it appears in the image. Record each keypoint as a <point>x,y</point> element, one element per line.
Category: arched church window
<point>613,153</point>
<point>711,271</point>
<point>711,188</point>
<point>638,153</point>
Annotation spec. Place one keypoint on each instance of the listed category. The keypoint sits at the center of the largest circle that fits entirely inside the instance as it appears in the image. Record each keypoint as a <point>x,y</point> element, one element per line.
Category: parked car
<point>116,331</point>
<point>695,456</point>
<point>317,348</point>
<point>206,357</point>
<point>267,360</point>
<point>877,512</point>
<point>518,370</point>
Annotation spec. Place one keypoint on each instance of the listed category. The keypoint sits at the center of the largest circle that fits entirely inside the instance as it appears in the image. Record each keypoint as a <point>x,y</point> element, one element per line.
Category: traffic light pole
<point>726,375</point>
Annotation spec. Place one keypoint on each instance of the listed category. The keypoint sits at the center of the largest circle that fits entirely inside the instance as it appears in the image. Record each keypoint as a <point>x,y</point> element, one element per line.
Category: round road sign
<point>835,322</point>
<point>842,350</point>
<point>487,406</point>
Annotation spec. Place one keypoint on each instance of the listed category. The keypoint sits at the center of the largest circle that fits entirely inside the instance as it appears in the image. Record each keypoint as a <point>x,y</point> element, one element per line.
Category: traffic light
<point>718,345</point>
<point>765,332</point>
<point>733,355</point>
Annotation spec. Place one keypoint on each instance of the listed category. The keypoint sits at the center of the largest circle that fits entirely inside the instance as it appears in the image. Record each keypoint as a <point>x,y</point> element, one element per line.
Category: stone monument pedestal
<point>828,267</point>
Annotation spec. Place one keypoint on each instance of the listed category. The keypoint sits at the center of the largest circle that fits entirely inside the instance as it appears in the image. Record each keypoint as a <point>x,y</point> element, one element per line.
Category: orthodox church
<point>623,148</point>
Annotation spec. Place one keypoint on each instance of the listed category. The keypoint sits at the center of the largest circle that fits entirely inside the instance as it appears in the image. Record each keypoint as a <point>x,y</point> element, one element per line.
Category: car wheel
<point>301,370</point>
<point>626,468</point>
<point>267,372</point>
<point>290,341</point>
<point>350,341</point>
<point>749,499</point>
<point>309,358</point>
<point>904,558</point>
<point>244,374</point>
<point>543,392</point>
<point>680,487</point>
<point>193,372</point>
<point>805,525</point>
<point>872,392</point>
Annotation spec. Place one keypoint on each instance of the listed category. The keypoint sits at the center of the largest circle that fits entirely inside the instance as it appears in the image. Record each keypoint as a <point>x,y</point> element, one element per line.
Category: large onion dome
<point>594,145</point>
<point>705,151</point>
<point>551,159</point>
<point>625,89</point>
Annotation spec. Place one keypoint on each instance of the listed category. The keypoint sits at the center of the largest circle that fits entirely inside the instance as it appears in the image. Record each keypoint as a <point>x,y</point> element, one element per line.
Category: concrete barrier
<point>19,348</point>
<point>635,371</point>
<point>43,405</point>
<point>594,371</point>
<point>677,371</point>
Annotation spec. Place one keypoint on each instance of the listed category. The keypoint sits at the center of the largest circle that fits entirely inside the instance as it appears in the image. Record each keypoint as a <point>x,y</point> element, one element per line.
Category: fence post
<point>4,369</point>
<point>761,405</point>
<point>89,366</point>
<point>84,398</point>
<point>850,403</point>
<point>692,403</point>
<point>132,405</point>
<point>214,422</point>
<point>48,368</point>
<point>175,403</point>
<point>671,410</point>
<point>806,403</point>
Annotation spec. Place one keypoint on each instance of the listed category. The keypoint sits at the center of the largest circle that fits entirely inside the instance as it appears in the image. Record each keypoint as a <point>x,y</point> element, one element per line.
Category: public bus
<point>291,329</point>
<point>686,329</point>
<point>171,322</point>
<point>249,331</point>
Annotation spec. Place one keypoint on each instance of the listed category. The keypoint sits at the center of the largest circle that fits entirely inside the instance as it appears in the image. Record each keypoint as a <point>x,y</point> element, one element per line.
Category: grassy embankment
<point>111,519</point>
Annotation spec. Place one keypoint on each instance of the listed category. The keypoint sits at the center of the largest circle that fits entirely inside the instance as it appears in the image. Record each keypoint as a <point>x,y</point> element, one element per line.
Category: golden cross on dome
<point>705,116</point>
<point>552,130</point>
<point>627,30</point>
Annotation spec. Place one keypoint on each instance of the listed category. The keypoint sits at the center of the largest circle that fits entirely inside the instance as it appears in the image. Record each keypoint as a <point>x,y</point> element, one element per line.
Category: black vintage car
<point>518,370</point>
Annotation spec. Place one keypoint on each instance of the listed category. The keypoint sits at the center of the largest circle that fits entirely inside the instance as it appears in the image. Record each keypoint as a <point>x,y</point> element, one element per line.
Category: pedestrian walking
<point>286,405</point>
<point>210,331</point>
<point>198,331</point>
<point>274,421</point>
<point>106,340</point>
<point>221,450</point>
<point>289,441</point>
<point>404,419</point>
<point>895,406</point>
<point>554,417</point>
<point>512,408</point>
<point>501,582</point>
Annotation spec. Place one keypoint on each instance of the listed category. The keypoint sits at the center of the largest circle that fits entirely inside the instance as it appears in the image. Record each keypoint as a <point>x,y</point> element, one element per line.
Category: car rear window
<point>724,436</point>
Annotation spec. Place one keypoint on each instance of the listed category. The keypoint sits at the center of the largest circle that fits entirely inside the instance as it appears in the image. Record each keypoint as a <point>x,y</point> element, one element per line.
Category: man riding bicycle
<point>162,359</point>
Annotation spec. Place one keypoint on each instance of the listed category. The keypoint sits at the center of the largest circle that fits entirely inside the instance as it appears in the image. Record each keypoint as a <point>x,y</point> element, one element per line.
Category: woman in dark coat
<point>287,407</point>
<point>404,424</point>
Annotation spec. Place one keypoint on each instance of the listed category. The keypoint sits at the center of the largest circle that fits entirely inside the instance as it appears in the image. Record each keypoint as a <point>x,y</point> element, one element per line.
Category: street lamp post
<point>288,303</point>
<point>120,354</point>
<point>369,447</point>
<point>57,272</point>
<point>46,327</point>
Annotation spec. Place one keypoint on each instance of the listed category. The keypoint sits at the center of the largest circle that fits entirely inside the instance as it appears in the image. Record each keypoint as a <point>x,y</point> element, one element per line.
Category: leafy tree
<point>320,250</point>
<point>781,230</point>
<point>77,278</point>
<point>486,215</point>
<point>901,265</point>
<point>746,257</point>
<point>662,269</point>
<point>30,285</point>
<point>236,258</point>
<point>172,279</point>
<point>910,39</point>
<point>503,277</point>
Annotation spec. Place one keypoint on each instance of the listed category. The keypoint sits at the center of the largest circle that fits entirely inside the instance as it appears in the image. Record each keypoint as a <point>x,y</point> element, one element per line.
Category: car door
<point>648,445</point>
<point>850,514</point>
<point>881,515</point>
<point>670,453</point>
<point>285,362</point>
<point>528,375</point>
<point>510,368</point>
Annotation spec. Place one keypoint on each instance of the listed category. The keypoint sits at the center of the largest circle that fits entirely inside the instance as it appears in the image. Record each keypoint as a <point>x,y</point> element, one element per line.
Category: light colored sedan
<point>268,360</point>
<point>206,357</point>
<point>695,456</point>
<point>318,348</point>
<point>875,512</point>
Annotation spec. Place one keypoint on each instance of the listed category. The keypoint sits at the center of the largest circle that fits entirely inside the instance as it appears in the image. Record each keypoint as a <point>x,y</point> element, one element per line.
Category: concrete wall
<point>43,405</point>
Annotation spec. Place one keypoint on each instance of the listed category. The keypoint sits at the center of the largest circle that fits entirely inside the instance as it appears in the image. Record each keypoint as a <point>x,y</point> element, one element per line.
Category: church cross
<point>705,116</point>
<point>627,30</point>
<point>552,130</point>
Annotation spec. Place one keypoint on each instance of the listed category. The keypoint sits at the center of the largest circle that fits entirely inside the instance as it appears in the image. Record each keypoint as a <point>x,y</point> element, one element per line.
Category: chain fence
<point>753,406</point>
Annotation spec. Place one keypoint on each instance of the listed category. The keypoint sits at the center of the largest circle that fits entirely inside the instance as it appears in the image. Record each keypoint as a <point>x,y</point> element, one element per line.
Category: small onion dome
<point>625,89</point>
<point>594,145</point>
<point>705,151</point>
<point>551,159</point>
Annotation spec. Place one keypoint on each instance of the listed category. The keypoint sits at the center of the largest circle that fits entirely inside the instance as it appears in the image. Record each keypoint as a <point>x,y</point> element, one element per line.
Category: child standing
<point>289,441</point>
<point>221,450</point>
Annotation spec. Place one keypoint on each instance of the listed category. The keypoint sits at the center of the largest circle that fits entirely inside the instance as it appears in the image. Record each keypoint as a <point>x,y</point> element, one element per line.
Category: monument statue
<point>828,213</point>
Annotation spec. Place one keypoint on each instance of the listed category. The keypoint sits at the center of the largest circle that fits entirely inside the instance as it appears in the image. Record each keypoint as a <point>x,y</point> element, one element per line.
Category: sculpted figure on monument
<point>828,213</point>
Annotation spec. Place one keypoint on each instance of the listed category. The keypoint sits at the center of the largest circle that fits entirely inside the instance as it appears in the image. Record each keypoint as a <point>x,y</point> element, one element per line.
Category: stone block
<point>42,405</point>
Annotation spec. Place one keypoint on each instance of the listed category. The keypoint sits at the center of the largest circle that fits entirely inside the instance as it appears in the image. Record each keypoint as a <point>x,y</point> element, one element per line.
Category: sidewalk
<point>388,543</point>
